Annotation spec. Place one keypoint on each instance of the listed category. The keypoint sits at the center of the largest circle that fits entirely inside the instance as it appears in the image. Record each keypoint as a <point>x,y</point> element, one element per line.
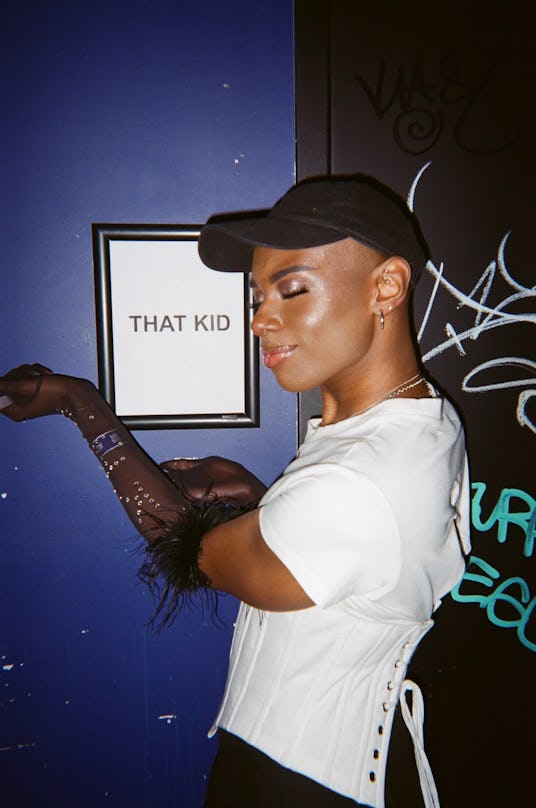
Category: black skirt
<point>243,777</point>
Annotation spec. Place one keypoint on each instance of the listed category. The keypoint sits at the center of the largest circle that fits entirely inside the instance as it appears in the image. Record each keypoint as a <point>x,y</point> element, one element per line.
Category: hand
<point>216,477</point>
<point>34,390</point>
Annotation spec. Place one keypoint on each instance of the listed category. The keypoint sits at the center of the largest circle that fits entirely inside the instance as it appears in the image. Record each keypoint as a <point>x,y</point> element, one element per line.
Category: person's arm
<point>237,560</point>
<point>147,494</point>
<point>190,535</point>
<point>150,494</point>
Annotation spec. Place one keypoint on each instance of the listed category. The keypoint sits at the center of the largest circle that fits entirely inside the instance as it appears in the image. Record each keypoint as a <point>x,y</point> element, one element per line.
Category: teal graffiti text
<point>508,603</point>
<point>514,508</point>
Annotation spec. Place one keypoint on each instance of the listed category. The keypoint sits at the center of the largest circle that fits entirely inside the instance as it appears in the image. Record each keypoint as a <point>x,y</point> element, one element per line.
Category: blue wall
<point>135,112</point>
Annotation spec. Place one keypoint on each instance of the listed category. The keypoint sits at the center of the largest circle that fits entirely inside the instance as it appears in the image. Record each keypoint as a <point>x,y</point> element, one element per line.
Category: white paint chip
<point>167,717</point>
<point>18,746</point>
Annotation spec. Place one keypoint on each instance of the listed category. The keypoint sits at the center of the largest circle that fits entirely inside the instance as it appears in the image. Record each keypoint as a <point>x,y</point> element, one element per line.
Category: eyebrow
<point>282,273</point>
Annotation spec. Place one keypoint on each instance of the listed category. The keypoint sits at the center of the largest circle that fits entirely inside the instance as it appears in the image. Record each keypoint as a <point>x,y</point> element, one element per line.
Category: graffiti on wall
<point>479,317</point>
<point>508,602</point>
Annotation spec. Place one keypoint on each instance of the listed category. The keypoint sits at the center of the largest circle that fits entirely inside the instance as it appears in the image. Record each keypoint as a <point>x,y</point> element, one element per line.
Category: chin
<point>296,385</point>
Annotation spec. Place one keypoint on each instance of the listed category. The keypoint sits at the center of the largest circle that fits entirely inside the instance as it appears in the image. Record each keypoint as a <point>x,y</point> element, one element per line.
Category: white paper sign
<point>176,341</point>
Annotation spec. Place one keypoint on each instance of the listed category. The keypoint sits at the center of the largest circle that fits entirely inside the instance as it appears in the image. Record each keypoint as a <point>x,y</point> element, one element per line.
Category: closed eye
<point>285,295</point>
<point>294,293</point>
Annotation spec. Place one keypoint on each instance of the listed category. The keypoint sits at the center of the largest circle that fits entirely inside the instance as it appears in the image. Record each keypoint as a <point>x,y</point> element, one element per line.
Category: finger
<point>27,370</point>
<point>42,369</point>
<point>20,392</point>
<point>5,401</point>
<point>180,463</point>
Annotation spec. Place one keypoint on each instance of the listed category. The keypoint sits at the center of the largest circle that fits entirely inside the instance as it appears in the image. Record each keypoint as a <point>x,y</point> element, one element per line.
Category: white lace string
<point>414,720</point>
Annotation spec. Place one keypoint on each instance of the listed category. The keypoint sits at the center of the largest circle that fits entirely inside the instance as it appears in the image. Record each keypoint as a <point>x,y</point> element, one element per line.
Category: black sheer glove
<point>215,477</point>
<point>171,506</point>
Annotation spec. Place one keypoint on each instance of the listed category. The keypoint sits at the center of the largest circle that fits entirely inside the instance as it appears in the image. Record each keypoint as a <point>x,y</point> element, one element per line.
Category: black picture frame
<point>205,360</point>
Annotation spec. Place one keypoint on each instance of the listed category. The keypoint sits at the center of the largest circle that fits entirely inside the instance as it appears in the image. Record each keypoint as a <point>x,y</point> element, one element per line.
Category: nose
<point>266,319</point>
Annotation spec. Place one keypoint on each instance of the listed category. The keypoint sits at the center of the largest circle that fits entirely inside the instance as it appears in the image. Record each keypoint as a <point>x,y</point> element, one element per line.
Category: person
<point>341,563</point>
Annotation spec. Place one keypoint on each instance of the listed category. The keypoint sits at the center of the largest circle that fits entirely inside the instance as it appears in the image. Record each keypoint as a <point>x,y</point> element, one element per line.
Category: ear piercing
<point>382,320</point>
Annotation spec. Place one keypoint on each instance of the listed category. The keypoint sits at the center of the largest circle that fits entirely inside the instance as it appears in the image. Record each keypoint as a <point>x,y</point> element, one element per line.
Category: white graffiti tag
<point>486,318</point>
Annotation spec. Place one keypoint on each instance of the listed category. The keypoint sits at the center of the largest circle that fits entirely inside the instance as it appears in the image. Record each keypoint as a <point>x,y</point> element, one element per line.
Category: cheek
<point>334,322</point>
<point>344,336</point>
<point>318,315</point>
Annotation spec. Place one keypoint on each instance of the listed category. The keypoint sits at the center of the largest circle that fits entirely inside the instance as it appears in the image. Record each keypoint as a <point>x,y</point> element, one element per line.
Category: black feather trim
<point>171,568</point>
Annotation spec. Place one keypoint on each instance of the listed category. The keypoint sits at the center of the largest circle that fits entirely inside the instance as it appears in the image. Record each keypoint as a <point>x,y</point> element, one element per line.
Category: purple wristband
<point>104,443</point>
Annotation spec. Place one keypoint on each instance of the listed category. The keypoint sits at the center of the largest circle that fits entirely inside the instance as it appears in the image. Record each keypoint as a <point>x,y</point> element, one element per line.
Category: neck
<point>373,380</point>
<point>412,385</point>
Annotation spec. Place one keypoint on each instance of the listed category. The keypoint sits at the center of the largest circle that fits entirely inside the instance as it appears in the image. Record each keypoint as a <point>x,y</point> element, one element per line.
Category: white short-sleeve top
<point>372,519</point>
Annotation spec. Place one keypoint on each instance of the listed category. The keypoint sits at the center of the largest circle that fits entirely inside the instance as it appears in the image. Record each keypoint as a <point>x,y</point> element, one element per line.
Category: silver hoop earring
<point>382,321</point>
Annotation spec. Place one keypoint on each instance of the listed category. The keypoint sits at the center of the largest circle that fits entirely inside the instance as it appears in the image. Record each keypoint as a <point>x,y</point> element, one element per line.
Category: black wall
<point>411,91</point>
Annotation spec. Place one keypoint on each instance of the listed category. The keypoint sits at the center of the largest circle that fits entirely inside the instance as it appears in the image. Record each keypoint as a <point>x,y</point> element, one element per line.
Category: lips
<point>273,356</point>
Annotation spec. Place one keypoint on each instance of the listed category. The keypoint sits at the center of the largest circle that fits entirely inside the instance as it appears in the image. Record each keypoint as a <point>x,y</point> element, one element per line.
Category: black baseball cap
<point>316,211</point>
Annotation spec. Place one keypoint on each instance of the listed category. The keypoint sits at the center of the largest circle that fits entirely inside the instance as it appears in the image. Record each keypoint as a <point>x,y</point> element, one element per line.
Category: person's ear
<point>392,284</point>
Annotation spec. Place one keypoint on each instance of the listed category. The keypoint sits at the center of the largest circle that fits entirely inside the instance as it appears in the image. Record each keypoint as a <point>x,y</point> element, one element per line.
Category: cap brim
<point>228,246</point>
